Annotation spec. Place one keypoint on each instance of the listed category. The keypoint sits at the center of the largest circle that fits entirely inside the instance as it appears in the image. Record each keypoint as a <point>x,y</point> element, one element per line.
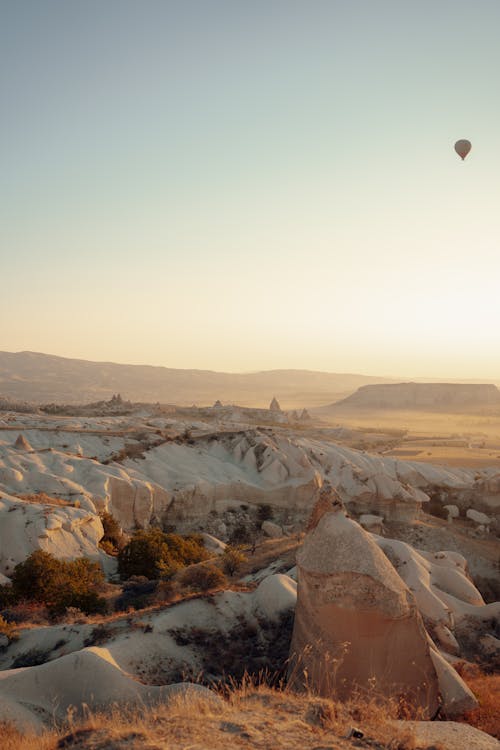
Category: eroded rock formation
<point>356,625</point>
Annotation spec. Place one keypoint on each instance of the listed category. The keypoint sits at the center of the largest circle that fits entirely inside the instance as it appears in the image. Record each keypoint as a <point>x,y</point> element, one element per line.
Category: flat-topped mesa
<point>356,623</point>
<point>440,396</point>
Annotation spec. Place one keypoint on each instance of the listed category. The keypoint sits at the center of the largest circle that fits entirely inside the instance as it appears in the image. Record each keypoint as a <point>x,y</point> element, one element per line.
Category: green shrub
<point>59,584</point>
<point>154,554</point>
<point>203,578</point>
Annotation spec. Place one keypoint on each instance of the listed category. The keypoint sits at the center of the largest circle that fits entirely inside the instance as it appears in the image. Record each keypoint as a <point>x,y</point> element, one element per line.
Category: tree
<point>59,584</point>
<point>154,554</point>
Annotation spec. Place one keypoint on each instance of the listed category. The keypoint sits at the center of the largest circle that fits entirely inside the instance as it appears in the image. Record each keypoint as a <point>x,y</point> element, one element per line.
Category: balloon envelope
<point>462,148</point>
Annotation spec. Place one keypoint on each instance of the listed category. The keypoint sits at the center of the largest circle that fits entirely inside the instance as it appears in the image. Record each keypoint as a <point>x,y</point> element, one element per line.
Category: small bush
<point>166,592</point>
<point>24,611</point>
<point>138,592</point>
<point>59,584</point>
<point>231,559</point>
<point>154,554</point>
<point>203,578</point>
<point>241,534</point>
<point>8,630</point>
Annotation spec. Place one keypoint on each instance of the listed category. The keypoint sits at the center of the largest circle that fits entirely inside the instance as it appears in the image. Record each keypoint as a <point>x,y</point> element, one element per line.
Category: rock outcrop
<point>357,626</point>
<point>65,531</point>
<point>22,444</point>
<point>274,405</point>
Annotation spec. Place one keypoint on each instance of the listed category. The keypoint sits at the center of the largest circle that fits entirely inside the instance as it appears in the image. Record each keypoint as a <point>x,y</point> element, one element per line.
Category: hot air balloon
<point>462,148</point>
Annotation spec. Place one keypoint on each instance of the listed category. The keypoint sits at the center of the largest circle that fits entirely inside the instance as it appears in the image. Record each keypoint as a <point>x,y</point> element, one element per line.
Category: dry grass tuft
<point>486,688</point>
<point>13,739</point>
<point>41,498</point>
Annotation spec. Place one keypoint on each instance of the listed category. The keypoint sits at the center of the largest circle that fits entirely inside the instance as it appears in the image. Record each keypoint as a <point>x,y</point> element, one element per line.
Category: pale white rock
<point>438,581</point>
<point>212,544</point>
<point>371,523</point>
<point>180,482</point>
<point>25,527</point>
<point>271,529</point>
<point>480,518</point>
<point>446,639</point>
<point>452,511</point>
<point>449,735</point>
<point>90,678</point>
<point>86,504</point>
<point>490,645</point>
<point>54,522</point>
<point>275,595</point>
<point>457,697</point>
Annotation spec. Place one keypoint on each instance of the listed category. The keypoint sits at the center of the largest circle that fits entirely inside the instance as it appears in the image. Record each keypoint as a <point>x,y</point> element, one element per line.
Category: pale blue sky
<point>250,185</point>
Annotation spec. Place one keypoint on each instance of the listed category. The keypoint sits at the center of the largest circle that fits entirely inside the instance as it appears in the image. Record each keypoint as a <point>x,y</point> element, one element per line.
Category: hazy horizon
<point>388,375</point>
<point>247,187</point>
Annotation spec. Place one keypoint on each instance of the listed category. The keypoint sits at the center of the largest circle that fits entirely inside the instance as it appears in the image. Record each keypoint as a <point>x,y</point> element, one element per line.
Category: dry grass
<point>486,688</point>
<point>41,498</point>
<point>12,739</point>
<point>268,551</point>
<point>431,437</point>
<point>252,717</point>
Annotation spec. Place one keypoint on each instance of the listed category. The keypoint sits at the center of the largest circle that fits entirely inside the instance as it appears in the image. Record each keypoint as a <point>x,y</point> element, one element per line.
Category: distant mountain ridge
<point>44,378</point>
<point>422,396</point>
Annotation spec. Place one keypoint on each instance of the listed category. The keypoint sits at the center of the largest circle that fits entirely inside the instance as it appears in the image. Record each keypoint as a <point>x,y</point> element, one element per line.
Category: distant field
<point>471,440</point>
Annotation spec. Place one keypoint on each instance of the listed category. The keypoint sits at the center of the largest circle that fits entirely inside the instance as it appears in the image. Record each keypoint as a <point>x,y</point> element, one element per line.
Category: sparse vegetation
<point>99,635</point>
<point>252,648</point>
<point>202,578</point>
<point>31,658</point>
<point>231,559</point>
<point>486,688</point>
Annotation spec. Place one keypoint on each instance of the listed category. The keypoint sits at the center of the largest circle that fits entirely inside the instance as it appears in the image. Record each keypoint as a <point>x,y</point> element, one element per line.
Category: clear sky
<point>252,184</point>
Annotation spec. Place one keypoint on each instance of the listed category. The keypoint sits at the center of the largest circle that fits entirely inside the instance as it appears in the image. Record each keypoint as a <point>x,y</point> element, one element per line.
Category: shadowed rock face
<point>356,623</point>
